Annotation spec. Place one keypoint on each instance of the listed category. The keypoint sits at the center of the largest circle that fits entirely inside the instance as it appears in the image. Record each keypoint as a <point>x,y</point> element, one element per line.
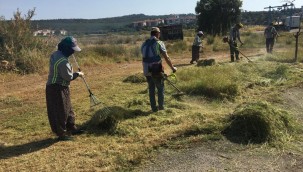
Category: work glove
<point>80,74</point>
<point>174,69</point>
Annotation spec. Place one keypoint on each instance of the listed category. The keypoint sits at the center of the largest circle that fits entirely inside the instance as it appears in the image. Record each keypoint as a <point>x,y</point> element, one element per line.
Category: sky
<point>94,9</point>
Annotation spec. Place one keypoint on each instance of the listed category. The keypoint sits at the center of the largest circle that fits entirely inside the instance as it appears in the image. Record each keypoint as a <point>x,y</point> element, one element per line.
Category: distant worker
<point>59,110</point>
<point>270,34</point>
<point>234,35</point>
<point>152,50</point>
<point>197,44</point>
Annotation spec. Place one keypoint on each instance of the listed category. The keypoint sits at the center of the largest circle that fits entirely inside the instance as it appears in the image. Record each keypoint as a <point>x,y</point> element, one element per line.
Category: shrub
<point>19,46</point>
<point>110,50</point>
<point>289,40</point>
<point>210,39</point>
<point>177,47</point>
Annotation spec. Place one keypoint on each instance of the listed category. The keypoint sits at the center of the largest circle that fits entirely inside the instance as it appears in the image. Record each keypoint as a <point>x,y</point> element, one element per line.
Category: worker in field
<point>270,34</point>
<point>59,110</point>
<point>197,44</point>
<point>234,35</point>
<point>152,50</point>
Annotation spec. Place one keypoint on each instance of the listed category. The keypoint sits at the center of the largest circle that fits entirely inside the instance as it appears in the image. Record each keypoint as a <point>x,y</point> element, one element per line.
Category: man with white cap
<point>197,44</point>
<point>59,110</point>
<point>152,50</point>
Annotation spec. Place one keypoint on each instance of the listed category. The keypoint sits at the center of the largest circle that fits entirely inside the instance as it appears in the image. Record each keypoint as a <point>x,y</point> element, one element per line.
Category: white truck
<point>292,22</point>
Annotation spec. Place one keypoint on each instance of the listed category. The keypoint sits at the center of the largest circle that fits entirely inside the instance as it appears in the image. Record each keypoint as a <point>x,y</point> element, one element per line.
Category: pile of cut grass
<point>136,78</point>
<point>206,62</point>
<point>260,123</point>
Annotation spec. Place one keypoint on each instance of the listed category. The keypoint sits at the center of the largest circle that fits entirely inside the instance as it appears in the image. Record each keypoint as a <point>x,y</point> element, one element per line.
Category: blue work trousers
<point>153,83</point>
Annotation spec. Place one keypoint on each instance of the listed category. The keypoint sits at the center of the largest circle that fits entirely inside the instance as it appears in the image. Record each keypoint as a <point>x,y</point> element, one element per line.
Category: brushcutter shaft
<point>171,83</point>
<point>240,51</point>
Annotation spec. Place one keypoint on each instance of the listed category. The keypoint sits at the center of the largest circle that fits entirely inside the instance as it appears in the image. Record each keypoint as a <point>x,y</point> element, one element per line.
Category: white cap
<point>200,33</point>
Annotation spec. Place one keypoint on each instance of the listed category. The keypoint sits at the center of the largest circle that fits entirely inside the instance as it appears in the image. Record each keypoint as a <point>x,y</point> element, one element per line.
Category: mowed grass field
<point>27,144</point>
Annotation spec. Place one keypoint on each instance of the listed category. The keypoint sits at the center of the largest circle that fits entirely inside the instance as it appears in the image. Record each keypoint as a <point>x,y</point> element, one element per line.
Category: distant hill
<point>89,26</point>
<point>124,23</point>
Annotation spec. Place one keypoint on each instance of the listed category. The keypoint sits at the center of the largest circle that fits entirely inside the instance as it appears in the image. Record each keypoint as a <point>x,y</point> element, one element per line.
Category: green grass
<point>214,82</point>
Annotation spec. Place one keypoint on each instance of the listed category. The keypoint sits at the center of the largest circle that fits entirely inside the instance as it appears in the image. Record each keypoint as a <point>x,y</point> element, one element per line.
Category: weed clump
<point>136,78</point>
<point>259,123</point>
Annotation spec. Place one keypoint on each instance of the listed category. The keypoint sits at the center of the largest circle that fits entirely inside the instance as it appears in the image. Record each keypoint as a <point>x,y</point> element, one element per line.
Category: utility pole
<point>297,40</point>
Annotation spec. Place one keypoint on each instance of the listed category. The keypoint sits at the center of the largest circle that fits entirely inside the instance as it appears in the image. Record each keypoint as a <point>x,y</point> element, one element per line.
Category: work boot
<point>237,58</point>
<point>191,62</point>
<point>232,58</point>
<point>77,131</point>
<point>155,109</point>
<point>74,130</point>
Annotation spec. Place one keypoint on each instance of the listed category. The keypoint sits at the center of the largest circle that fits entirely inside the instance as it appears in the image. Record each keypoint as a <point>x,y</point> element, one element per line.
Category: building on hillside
<point>44,32</point>
<point>176,19</point>
<point>139,24</point>
<point>148,23</point>
<point>63,32</point>
<point>171,20</point>
<point>48,32</point>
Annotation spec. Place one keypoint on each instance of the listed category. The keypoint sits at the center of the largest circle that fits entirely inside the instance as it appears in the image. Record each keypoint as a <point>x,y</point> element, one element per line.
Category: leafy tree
<point>217,16</point>
<point>18,45</point>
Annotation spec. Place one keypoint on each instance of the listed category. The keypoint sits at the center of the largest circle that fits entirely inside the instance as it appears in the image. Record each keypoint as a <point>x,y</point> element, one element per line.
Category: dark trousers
<point>153,83</point>
<point>195,53</point>
<point>60,115</point>
<point>234,51</point>
<point>270,44</point>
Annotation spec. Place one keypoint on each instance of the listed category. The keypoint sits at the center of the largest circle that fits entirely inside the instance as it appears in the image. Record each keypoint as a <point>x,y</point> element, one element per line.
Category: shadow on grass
<point>182,65</point>
<point>17,150</point>
<point>106,120</point>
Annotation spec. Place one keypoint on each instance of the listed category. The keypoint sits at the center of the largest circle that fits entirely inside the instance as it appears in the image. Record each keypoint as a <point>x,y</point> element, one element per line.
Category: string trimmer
<point>165,76</point>
<point>93,99</point>
<point>226,40</point>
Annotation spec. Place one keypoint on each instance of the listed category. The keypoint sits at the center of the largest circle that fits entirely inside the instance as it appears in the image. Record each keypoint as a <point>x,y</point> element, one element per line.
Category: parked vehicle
<point>171,32</point>
<point>292,22</point>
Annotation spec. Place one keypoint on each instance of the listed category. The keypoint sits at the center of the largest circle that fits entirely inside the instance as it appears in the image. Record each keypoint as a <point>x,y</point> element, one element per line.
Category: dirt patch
<point>224,156</point>
<point>293,101</point>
